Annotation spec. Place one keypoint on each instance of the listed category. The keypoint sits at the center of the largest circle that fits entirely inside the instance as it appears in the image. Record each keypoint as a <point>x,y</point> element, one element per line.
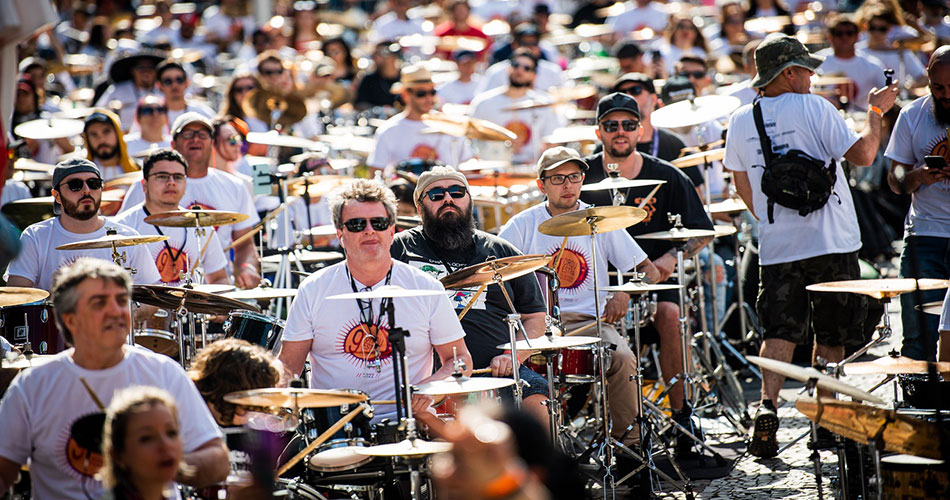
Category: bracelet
<point>248,265</point>
<point>877,110</point>
<point>505,485</point>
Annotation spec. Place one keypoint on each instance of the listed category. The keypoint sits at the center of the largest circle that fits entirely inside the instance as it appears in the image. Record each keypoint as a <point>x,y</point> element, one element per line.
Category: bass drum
<point>34,324</point>
<point>906,477</point>
<point>337,453</point>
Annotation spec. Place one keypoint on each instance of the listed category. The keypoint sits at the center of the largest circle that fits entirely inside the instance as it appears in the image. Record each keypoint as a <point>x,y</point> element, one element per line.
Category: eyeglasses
<point>168,81</point>
<point>526,67</point>
<point>633,90</point>
<point>272,72</point>
<point>692,74</point>
<point>165,177</point>
<point>152,110</point>
<point>879,28</point>
<point>246,88</point>
<point>843,33</point>
<point>75,185</point>
<point>191,134</point>
<point>359,225</point>
<point>614,125</point>
<point>234,140</point>
<point>437,194</point>
<point>423,93</point>
<point>558,179</point>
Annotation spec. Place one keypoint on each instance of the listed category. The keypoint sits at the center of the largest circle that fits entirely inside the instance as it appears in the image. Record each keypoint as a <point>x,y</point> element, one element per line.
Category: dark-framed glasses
<point>164,177</point>
<point>558,179</point>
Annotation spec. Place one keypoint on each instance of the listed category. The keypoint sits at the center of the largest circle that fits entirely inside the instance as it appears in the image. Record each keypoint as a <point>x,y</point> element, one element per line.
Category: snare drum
<point>337,453</point>
<point>575,364</point>
<point>255,328</point>
<point>159,333</point>
<point>33,323</point>
<point>906,477</point>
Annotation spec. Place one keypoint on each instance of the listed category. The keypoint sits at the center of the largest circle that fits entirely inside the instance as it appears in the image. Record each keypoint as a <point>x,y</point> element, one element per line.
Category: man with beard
<point>105,144</point>
<point>921,131</point>
<point>530,125</point>
<point>446,242</point>
<point>212,189</point>
<point>77,191</point>
<point>618,119</point>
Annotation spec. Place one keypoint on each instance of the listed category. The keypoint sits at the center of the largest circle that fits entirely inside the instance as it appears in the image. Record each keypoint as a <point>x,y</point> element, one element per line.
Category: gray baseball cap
<point>70,166</point>
<point>779,51</point>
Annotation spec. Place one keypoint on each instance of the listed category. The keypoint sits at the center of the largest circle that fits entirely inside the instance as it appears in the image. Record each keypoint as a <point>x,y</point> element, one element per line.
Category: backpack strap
<point>767,153</point>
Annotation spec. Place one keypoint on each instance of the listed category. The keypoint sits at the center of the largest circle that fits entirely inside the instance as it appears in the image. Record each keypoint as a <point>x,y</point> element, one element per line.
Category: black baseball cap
<point>617,102</point>
<point>677,88</point>
<point>638,78</point>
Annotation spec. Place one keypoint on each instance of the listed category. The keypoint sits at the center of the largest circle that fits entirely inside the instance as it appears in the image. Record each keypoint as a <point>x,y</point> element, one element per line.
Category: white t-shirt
<point>811,124</point>
<point>134,143</point>
<point>344,356</point>
<point>179,252</point>
<point>216,191</point>
<point>49,417</point>
<point>866,73</point>
<point>744,91</point>
<point>913,67</point>
<point>530,125</point>
<point>13,191</point>
<point>945,315</point>
<point>671,54</point>
<point>400,138</point>
<point>653,16</point>
<point>549,75</point>
<point>128,94</point>
<point>39,259</point>
<point>389,27</point>
<point>916,135</point>
<point>575,270</point>
<point>456,92</point>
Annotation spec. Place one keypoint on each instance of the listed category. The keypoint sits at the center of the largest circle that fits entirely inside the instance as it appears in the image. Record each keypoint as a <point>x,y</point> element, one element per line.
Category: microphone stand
<point>397,338</point>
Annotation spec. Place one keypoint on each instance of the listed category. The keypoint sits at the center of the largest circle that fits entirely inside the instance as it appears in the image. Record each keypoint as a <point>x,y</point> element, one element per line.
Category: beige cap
<point>411,75</point>
<point>438,173</point>
<point>557,156</point>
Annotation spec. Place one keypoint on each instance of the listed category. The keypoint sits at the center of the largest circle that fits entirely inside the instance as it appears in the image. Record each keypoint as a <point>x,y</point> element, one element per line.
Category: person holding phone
<point>918,149</point>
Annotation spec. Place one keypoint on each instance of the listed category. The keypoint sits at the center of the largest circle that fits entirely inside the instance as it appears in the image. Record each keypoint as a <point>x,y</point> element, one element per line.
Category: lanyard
<point>171,254</point>
<point>655,148</point>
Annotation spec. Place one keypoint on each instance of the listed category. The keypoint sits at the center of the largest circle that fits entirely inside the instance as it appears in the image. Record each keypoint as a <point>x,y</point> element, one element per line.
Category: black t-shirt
<point>485,323</point>
<point>668,148</point>
<point>374,90</point>
<point>677,196</point>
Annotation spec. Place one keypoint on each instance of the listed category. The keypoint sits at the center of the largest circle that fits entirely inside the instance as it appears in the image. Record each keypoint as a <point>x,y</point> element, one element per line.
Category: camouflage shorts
<point>786,309</point>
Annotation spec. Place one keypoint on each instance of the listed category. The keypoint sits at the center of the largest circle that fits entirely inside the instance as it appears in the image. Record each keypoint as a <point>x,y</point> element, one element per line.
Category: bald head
<point>941,57</point>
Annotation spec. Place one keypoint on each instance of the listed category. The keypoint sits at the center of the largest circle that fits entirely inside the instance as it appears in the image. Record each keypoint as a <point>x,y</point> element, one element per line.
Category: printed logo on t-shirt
<point>366,345</point>
<point>459,298</point>
<point>649,207</point>
<point>941,147</point>
<point>424,151</point>
<point>83,446</point>
<point>522,130</point>
<point>169,268</point>
<point>572,270</point>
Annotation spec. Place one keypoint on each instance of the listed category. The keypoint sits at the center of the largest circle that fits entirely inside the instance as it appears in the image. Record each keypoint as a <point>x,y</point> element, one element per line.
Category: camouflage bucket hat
<point>779,51</point>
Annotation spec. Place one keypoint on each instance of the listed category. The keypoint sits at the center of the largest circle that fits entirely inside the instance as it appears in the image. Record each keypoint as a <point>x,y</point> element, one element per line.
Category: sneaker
<point>764,444</point>
<point>684,443</point>
<point>826,440</point>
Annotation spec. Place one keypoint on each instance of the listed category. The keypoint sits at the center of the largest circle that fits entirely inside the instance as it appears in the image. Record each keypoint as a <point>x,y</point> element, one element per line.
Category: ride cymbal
<point>620,183</point>
<point>893,366</point>
<point>693,112</point>
<point>49,128</point>
<point>194,218</point>
<point>405,448</point>
<point>111,240</point>
<point>604,219</point>
<point>546,343</point>
<point>171,298</point>
<point>493,270</point>
<point>805,374</point>
<point>880,288</point>
<point>678,234</point>
<point>286,397</point>
<point>462,385</point>
<point>466,126</point>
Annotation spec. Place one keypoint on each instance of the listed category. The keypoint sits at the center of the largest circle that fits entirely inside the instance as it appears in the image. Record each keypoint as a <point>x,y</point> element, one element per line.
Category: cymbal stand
<point>811,386</point>
<point>289,256</point>
<point>119,259</point>
<point>741,306</point>
<point>550,321</point>
<point>616,197</point>
<point>397,337</point>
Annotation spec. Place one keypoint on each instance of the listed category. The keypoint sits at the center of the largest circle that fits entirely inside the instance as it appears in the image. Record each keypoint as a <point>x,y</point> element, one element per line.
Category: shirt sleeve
<point>444,325</point>
<point>735,156</point>
<point>377,158</point>
<point>299,325</point>
<point>623,251</point>
<point>214,258</point>
<point>26,264</point>
<point>147,273</point>
<point>16,444</point>
<point>900,147</point>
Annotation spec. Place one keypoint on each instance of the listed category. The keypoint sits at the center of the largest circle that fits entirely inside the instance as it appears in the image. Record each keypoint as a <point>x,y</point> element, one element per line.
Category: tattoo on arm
<point>694,245</point>
<point>646,278</point>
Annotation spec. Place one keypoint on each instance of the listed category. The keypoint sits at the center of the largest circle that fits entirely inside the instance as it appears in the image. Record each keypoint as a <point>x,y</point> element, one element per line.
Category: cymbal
<point>405,448</point>
<point>575,133</point>
<point>286,397</point>
<point>145,153</point>
<point>324,230</point>
<point>307,257</point>
<point>386,291</point>
<point>640,288</point>
<point>545,343</point>
<point>880,288</point>
<point>731,207</point>
<point>49,128</point>
<point>462,385</point>
<point>407,222</point>
<point>349,142</point>
<point>620,183</point>
<point>261,293</point>
<point>699,158</point>
<point>863,423</point>
<point>606,219</point>
<point>170,297</point>
<point>505,269</point>
<point>932,307</point>
<point>466,126</point>
<point>33,210</point>
<point>213,287</point>
<point>317,185</point>
<point>724,230</point>
<point>111,240</point>
<point>194,218</point>
<point>678,234</point>
<point>581,33</point>
<point>14,296</point>
<point>22,363</point>
<point>892,366</point>
<point>822,80</point>
<point>805,374</point>
<point>559,95</point>
<point>916,44</point>
<point>700,110</point>
<point>703,147</point>
<point>33,166</point>
<point>475,164</point>
<point>285,141</point>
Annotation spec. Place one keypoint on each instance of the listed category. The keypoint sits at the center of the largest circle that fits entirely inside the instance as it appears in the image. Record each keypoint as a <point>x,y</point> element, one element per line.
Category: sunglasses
<point>234,140</point>
<point>75,185</point>
<point>879,28</point>
<point>692,74</point>
<point>526,67</point>
<point>633,90</point>
<point>178,79</point>
<point>152,110</point>
<point>614,125</point>
<point>844,33</point>
<point>246,88</point>
<point>359,225</point>
<point>558,179</point>
<point>272,72</point>
<point>437,194</point>
<point>423,93</point>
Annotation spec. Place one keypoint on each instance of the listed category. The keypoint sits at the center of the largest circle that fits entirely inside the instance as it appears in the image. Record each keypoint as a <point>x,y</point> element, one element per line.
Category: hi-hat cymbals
<point>14,296</point>
<point>699,158</point>
<point>386,291</point>
<point>49,128</point>
<point>678,234</point>
<point>932,307</point>
<point>731,207</point>
<point>546,343</point>
<point>170,297</point>
<point>405,448</point>
<point>194,218</point>
<point>491,270</point>
<point>262,293</point>
<point>275,397</point>
<point>124,180</point>
<point>112,240</point>
<point>805,374</point>
<point>588,220</point>
<point>880,288</point>
<point>462,385</point>
<point>466,126</point>
<point>640,288</point>
<point>893,366</point>
<point>700,110</point>
<point>620,183</point>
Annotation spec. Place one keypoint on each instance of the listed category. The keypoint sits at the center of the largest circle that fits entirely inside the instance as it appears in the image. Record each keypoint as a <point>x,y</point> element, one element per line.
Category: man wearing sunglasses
<point>618,118</point>
<point>173,83</point>
<point>401,137</point>
<point>447,241</point>
<point>77,192</point>
<point>548,75</point>
<point>105,144</point>
<point>348,340</point>
<point>865,72</point>
<point>656,142</point>
<point>152,117</point>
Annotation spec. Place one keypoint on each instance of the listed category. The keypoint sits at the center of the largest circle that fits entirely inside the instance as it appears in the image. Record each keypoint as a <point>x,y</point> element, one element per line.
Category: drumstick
<point>481,371</point>
<point>581,329</point>
<point>647,199</point>
<point>321,439</point>
<point>560,253</point>
<point>472,302</point>
<point>92,393</point>
<point>250,234</point>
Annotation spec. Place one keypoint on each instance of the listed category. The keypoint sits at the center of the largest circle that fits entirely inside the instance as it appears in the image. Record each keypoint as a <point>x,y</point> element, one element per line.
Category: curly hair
<point>232,365</point>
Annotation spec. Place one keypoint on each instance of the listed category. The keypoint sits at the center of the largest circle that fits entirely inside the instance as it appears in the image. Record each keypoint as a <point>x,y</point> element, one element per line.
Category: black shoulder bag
<point>794,179</point>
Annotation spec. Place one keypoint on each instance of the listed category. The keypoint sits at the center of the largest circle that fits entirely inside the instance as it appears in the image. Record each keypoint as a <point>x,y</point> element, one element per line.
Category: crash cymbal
<point>14,296</point>
<point>880,288</point>
<point>317,185</point>
<point>324,230</point>
<point>699,158</point>
<point>700,110</point>
<point>124,180</point>
<point>405,448</point>
<point>286,397</point>
<point>49,128</point>
<point>307,257</point>
<point>171,297</point>
<point>278,140</point>
<point>145,153</point>
<point>731,207</point>
<point>892,366</point>
<point>546,343</point>
<point>186,55</point>
<point>767,24</point>
<point>261,293</point>
<point>476,164</point>
<point>558,95</point>
<point>29,165</point>
<point>462,385</point>
<point>805,374</point>
<point>605,219</point>
<point>386,291</point>
<point>678,234</point>
<point>503,269</point>
<point>915,44</point>
<point>466,126</point>
<point>22,362</point>
<point>83,95</point>
<point>31,176</point>
<point>703,147</point>
<point>33,210</point>
<point>581,33</point>
<point>575,133</point>
<point>195,218</point>
<point>863,423</point>
<point>111,240</point>
<point>640,288</point>
<point>212,287</point>
<point>724,230</point>
<point>932,307</point>
<point>620,183</point>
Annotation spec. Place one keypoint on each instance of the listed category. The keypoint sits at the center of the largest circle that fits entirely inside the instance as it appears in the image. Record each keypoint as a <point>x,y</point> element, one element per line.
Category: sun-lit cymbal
<point>693,112</point>
<point>349,142</point>
<point>932,307</point>
<point>171,297</point>
<point>286,397</point>
<point>585,221</point>
<point>111,240</point>
<point>194,218</point>
<point>317,186</point>
<point>699,158</point>
<point>22,362</point>
<point>620,183</point>
<point>405,448</point>
<point>14,296</point>
<point>443,43</point>
<point>892,366</point>
<point>261,293</point>
<point>30,165</point>
<point>880,288</point>
<point>462,385</point>
<point>558,95</point>
<point>825,80</point>
<point>492,270</point>
<point>278,140</point>
<point>466,126</point>
<point>386,291</point>
<point>724,230</point>
<point>573,133</point>
<point>640,288</point>
<point>307,257</point>
<point>678,234</point>
<point>805,374</point>
<point>124,180</point>
<point>546,343</point>
<point>731,207</point>
<point>49,128</point>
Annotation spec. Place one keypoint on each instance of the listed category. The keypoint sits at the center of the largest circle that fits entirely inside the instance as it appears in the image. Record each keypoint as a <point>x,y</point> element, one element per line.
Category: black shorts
<point>786,309</point>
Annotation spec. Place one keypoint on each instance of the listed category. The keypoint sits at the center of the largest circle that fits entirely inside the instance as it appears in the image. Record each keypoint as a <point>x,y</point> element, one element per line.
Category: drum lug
<point>44,315</point>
